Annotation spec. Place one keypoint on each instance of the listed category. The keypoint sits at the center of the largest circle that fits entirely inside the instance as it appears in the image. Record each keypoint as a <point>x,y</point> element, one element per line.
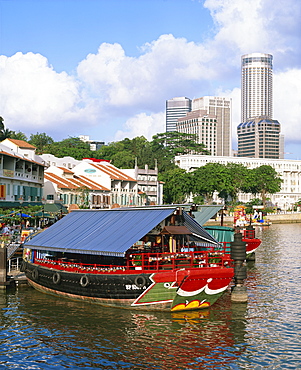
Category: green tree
<point>177,185</point>
<point>18,136</point>
<point>263,180</point>
<point>123,159</point>
<point>71,147</point>
<point>178,143</point>
<point>127,152</point>
<point>159,152</point>
<point>41,142</point>
<point>208,179</point>
<point>83,193</point>
<point>123,154</point>
<point>1,123</point>
<point>5,134</point>
<point>236,178</point>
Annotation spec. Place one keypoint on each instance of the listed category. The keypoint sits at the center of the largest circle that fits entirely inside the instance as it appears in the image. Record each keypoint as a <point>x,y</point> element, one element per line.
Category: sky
<point>105,68</point>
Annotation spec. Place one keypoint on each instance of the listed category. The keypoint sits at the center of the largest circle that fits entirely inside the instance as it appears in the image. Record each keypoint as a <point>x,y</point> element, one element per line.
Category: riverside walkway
<point>274,218</point>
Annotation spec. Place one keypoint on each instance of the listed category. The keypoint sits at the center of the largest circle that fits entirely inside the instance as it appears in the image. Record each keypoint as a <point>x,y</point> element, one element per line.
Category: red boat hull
<point>170,290</point>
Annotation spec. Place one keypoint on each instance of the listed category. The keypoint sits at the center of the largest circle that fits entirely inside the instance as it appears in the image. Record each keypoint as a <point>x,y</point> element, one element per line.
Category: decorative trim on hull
<point>183,289</point>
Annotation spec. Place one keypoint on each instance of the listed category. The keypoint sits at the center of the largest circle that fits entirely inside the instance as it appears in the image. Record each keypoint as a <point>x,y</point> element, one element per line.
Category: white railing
<point>14,264</point>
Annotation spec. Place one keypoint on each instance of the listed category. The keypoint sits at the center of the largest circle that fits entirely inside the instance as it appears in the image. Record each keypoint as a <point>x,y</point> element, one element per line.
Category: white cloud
<point>287,103</point>
<point>268,26</point>
<point>33,93</point>
<point>142,125</point>
<point>113,94</point>
<point>166,64</point>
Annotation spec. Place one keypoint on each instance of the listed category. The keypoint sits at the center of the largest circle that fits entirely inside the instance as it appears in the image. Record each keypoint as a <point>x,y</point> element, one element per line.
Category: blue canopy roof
<point>105,232</point>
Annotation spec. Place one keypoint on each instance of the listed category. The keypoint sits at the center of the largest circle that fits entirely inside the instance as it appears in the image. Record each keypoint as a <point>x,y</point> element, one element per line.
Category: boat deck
<point>143,262</point>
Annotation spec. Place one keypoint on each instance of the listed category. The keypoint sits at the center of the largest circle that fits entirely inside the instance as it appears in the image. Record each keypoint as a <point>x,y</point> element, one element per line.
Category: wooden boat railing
<point>145,262</point>
<point>225,247</point>
<point>249,233</point>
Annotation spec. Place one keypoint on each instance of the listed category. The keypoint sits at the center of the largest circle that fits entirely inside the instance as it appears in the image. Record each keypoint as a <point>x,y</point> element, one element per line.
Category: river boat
<point>262,223</point>
<point>140,258</point>
<point>225,235</point>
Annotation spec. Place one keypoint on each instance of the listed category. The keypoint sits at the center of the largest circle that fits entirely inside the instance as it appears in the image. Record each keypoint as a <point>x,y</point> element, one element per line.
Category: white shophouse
<point>123,188</point>
<point>63,186</point>
<point>21,174</point>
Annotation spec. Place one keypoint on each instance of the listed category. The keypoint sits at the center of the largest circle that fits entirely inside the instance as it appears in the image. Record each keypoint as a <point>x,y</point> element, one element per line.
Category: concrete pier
<point>274,218</point>
<point>239,294</point>
<point>3,267</point>
<point>238,254</point>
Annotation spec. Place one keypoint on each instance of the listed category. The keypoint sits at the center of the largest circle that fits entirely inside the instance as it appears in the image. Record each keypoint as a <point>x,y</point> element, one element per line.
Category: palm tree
<point>4,132</point>
<point>1,123</point>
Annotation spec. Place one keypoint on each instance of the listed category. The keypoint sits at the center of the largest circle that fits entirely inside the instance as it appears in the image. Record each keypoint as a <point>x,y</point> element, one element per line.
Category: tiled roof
<point>59,181</point>
<point>22,144</point>
<point>91,184</point>
<point>66,170</point>
<point>10,154</point>
<point>73,183</point>
<point>20,157</point>
<point>113,172</point>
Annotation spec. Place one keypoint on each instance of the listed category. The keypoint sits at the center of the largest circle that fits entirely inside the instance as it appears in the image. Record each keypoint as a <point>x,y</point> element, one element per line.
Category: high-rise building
<point>258,134</point>
<point>221,109</point>
<point>256,86</point>
<point>202,124</point>
<point>175,109</point>
<point>94,144</point>
<point>259,138</point>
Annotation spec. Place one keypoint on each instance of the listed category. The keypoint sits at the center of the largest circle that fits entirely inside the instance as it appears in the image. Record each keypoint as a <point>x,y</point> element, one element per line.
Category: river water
<point>38,331</point>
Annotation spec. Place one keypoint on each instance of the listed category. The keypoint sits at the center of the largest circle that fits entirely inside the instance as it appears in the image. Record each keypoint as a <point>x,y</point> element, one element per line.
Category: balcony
<point>20,175</point>
<point>147,182</point>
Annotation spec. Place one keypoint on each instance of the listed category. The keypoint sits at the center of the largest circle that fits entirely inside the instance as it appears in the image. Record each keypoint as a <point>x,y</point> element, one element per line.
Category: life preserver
<point>84,281</point>
<point>56,278</point>
<point>35,274</point>
<point>140,281</point>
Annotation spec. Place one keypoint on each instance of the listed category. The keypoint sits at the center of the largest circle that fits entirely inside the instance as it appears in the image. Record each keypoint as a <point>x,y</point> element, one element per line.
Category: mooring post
<point>250,234</point>
<point>3,267</point>
<point>238,254</point>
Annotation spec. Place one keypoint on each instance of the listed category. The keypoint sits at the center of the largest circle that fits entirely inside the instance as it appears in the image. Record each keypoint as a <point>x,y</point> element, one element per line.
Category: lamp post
<point>43,211</point>
<point>21,200</point>
<point>61,208</point>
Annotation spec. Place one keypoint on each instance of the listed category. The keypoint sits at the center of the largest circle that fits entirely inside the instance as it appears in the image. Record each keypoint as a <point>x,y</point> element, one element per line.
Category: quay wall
<point>274,218</point>
<point>285,218</point>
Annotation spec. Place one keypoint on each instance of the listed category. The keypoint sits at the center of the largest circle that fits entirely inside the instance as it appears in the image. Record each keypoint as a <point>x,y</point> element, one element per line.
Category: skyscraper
<point>199,122</point>
<point>221,109</point>
<point>256,86</point>
<point>175,109</point>
<point>258,134</point>
<point>259,138</point>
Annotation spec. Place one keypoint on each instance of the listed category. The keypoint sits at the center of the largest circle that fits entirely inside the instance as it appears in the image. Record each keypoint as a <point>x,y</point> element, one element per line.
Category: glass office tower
<point>176,108</point>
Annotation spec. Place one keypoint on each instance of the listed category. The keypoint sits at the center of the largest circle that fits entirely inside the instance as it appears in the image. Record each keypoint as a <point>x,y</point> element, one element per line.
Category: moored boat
<point>225,235</point>
<point>146,258</point>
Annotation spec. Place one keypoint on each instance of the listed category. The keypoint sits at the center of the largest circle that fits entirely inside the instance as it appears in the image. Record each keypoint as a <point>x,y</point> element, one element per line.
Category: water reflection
<point>57,331</point>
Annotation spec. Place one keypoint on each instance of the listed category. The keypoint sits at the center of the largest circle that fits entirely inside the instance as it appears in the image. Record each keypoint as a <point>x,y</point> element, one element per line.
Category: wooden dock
<point>17,278</point>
